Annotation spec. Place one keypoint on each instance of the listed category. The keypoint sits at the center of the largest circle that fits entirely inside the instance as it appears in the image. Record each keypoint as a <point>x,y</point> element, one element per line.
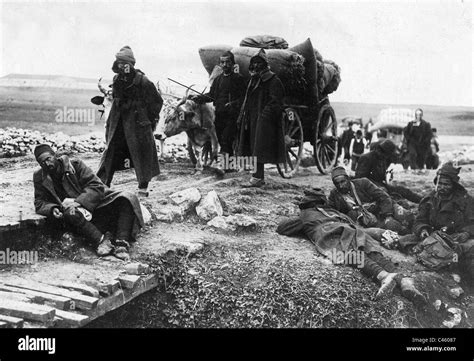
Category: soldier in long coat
<point>130,125</point>
<point>261,131</point>
<point>71,195</point>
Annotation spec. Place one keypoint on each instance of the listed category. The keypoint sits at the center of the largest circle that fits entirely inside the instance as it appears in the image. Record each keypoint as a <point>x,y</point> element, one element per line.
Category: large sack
<point>210,55</point>
<point>265,42</point>
<point>309,53</point>
<point>331,77</point>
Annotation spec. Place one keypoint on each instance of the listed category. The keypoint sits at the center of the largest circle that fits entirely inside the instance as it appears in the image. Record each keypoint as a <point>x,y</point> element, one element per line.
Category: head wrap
<point>260,55</point>
<point>42,148</point>
<point>125,54</point>
<point>448,170</point>
<point>338,171</point>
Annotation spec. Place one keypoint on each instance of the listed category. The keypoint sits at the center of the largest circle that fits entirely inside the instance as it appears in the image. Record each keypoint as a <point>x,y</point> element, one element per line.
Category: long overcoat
<point>135,108</point>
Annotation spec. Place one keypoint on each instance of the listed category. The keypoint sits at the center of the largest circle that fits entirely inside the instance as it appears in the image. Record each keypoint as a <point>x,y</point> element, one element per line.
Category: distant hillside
<point>49,81</point>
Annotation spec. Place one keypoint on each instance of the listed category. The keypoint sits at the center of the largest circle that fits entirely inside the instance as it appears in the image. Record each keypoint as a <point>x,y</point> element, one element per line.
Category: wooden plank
<point>27,311</point>
<point>80,301</point>
<point>15,297</point>
<point>107,289</point>
<point>128,281</point>
<point>4,325</point>
<point>70,319</point>
<point>86,290</point>
<point>13,322</point>
<point>60,302</point>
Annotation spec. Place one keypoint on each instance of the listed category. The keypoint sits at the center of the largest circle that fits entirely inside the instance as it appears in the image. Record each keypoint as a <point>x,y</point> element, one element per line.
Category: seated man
<point>331,231</point>
<point>448,208</point>
<point>354,198</point>
<point>374,165</point>
<point>69,193</point>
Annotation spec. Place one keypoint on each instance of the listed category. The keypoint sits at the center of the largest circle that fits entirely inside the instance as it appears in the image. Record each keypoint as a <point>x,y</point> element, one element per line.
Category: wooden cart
<point>315,124</point>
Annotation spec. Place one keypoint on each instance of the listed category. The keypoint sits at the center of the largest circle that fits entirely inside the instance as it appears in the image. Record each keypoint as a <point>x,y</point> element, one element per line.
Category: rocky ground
<point>236,271</point>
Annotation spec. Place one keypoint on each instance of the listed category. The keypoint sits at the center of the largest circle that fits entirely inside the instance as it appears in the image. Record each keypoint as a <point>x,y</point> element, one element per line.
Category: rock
<point>455,317</point>
<point>233,222</point>
<point>146,214</point>
<point>186,199</point>
<point>209,207</point>
<point>241,220</point>
<point>221,223</point>
<point>169,213</point>
<point>137,268</point>
<point>456,292</point>
<point>456,278</point>
<point>437,304</point>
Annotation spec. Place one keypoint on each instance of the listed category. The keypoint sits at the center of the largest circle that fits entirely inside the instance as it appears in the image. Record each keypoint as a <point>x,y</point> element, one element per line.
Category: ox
<point>197,120</point>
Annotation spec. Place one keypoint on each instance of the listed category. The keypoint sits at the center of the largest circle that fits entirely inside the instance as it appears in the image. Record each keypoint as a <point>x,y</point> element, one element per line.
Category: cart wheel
<point>326,141</point>
<point>293,133</point>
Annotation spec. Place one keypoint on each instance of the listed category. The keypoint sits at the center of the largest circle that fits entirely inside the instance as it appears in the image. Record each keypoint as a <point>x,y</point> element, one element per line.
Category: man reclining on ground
<point>367,204</point>
<point>331,231</point>
<point>68,192</point>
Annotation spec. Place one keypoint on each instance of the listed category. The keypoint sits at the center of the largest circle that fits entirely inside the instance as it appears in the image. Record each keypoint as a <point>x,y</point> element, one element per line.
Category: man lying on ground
<point>362,200</point>
<point>449,209</point>
<point>333,232</point>
<point>374,165</point>
<point>68,192</point>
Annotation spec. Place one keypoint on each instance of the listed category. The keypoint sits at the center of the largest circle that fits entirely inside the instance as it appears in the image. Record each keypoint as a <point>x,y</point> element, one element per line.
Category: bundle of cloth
<point>264,42</point>
<point>301,68</point>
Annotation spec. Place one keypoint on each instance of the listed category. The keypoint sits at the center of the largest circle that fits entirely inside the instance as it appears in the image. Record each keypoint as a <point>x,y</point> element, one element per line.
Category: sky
<point>405,52</point>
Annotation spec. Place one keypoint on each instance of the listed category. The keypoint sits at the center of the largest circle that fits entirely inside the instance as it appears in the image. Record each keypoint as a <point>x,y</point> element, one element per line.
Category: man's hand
<point>424,233</point>
<point>70,202</point>
<point>57,213</point>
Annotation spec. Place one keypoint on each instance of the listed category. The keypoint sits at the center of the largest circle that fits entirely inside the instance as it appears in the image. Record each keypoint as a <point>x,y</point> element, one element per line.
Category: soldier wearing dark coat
<point>71,195</point>
<point>374,166</point>
<point>130,125</point>
<point>227,93</point>
<point>261,132</point>
<point>418,136</point>
<point>449,208</point>
<point>331,231</point>
<point>350,196</point>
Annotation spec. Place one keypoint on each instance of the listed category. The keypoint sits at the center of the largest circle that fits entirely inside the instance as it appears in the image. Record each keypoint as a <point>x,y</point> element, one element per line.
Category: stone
<point>209,207</point>
<point>233,222</point>
<point>146,214</point>
<point>220,222</point>
<point>169,213</point>
<point>456,292</point>
<point>186,199</point>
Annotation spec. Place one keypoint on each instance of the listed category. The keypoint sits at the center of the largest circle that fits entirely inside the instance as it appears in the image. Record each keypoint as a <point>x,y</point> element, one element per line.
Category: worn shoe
<point>409,291</point>
<point>387,286</point>
<point>254,182</point>
<point>122,253</point>
<point>122,243</point>
<point>105,246</point>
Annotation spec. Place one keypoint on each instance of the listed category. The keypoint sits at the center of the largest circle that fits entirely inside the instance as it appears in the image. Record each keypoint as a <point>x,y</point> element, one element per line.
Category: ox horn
<point>183,100</point>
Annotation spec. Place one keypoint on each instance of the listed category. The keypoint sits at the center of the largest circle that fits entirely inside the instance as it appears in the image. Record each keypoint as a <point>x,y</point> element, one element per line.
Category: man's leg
<point>403,192</point>
<point>125,219</point>
<point>412,157</point>
<point>382,270</point>
<point>87,229</point>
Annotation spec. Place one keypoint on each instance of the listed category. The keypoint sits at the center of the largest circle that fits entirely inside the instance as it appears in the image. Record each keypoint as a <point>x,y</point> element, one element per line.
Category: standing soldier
<point>261,133</point>
<point>227,93</point>
<point>418,137</point>
<point>130,125</point>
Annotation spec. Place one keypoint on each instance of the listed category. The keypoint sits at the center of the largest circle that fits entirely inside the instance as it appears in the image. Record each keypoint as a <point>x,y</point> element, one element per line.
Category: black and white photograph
<point>237,165</point>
